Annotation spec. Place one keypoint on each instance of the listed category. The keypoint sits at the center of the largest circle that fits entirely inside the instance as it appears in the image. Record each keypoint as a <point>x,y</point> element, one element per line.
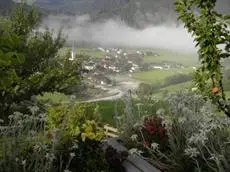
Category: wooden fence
<point>111,131</point>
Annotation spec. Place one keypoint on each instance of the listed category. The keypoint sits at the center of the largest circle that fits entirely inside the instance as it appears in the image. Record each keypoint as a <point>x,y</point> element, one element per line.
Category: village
<point>117,61</point>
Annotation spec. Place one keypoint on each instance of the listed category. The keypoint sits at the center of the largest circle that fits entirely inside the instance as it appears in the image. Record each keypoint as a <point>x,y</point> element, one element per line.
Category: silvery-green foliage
<point>126,120</point>
<point>184,102</point>
<point>18,136</point>
<point>134,110</point>
<point>196,130</point>
<point>21,148</point>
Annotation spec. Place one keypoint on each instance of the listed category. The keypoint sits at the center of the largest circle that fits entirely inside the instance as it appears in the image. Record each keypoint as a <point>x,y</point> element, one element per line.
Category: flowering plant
<point>153,131</point>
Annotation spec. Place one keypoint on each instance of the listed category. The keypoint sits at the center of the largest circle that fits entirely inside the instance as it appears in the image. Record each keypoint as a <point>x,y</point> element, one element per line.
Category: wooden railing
<point>111,131</point>
<point>128,162</point>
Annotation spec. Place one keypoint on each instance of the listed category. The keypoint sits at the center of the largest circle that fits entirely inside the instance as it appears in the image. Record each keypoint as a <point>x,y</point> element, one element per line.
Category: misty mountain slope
<point>141,13</point>
<point>79,6</point>
<point>137,13</point>
<point>5,6</point>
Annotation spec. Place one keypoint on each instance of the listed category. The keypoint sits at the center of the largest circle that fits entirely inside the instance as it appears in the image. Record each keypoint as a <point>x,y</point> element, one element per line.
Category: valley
<point>118,70</point>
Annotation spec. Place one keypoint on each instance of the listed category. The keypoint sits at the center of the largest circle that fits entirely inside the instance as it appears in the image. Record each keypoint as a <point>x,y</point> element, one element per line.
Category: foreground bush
<point>40,143</point>
<point>78,120</point>
<point>210,31</point>
<point>30,63</point>
<point>196,136</point>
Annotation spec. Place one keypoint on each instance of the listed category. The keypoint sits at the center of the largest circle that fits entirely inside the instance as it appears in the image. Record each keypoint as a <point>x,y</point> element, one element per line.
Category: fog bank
<point>112,33</point>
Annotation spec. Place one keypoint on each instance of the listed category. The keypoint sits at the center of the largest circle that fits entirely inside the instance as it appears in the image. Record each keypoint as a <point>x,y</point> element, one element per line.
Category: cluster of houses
<point>116,61</point>
<point>119,61</point>
<point>164,65</point>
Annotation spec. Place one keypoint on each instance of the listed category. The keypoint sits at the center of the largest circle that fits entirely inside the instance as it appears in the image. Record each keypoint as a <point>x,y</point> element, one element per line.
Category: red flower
<point>151,129</point>
<point>154,130</point>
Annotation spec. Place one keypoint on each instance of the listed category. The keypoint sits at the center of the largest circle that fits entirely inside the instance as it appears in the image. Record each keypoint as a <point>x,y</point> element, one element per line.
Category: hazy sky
<point>116,33</point>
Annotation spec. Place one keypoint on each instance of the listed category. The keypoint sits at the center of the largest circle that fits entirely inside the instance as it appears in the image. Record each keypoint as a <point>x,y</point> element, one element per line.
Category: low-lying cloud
<point>112,33</point>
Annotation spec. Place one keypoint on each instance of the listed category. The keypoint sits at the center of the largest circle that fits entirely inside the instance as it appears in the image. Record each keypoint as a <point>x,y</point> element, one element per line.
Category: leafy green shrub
<point>210,30</point>
<point>76,120</point>
<point>30,143</point>
<point>53,98</point>
<point>29,62</point>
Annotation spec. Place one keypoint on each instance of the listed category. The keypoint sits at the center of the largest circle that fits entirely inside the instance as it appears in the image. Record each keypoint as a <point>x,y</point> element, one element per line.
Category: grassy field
<point>156,76</point>
<point>108,110</point>
<point>173,88</point>
<point>166,55</point>
<point>159,76</point>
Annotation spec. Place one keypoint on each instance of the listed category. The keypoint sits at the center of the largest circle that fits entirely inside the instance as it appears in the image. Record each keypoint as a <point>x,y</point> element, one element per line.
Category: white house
<point>158,67</point>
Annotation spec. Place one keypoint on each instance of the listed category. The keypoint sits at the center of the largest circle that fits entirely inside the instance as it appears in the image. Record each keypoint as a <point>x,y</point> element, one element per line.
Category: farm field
<point>167,55</point>
<point>157,76</point>
<point>172,88</point>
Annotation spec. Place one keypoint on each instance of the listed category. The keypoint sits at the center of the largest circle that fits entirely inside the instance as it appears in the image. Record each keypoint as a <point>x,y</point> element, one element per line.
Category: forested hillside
<point>136,13</point>
<point>133,12</point>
